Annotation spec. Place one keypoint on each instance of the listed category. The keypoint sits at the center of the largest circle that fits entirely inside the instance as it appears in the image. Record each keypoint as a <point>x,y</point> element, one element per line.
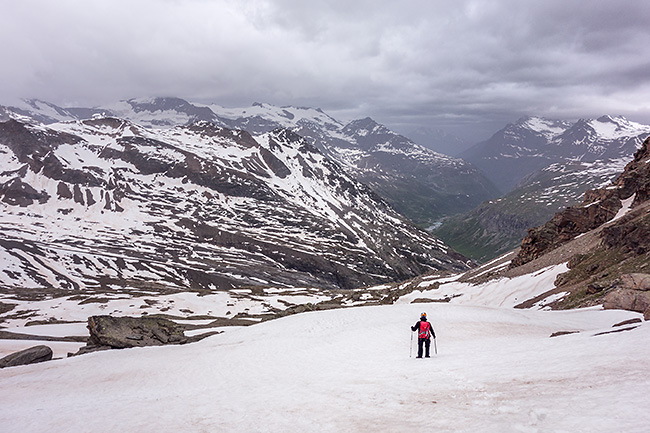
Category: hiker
<point>425,332</point>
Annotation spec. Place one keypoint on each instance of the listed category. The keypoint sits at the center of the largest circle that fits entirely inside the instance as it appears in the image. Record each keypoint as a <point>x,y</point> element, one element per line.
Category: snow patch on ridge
<point>626,206</point>
<point>504,292</point>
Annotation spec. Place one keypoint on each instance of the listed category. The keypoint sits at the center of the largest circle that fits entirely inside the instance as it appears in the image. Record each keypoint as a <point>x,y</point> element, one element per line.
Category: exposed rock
<point>4,308</point>
<point>635,281</point>
<point>560,333</point>
<point>627,322</point>
<point>6,335</point>
<point>28,356</point>
<point>123,332</point>
<point>592,288</point>
<point>567,225</point>
<point>615,331</point>
<point>18,193</point>
<point>630,234</point>
<point>632,292</point>
<point>646,314</point>
<point>429,300</point>
<point>627,299</point>
<point>422,301</point>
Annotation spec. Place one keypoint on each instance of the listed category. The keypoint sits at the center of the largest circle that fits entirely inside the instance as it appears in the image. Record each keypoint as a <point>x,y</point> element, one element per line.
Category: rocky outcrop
<point>32,355</point>
<point>123,332</point>
<point>632,292</point>
<point>599,206</point>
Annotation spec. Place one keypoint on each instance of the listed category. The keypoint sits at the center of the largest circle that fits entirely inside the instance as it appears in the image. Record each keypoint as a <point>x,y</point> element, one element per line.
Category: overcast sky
<point>465,66</point>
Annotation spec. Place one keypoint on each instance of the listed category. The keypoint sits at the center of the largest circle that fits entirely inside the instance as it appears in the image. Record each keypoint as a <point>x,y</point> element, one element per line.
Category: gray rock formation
<point>28,356</point>
<point>123,332</point>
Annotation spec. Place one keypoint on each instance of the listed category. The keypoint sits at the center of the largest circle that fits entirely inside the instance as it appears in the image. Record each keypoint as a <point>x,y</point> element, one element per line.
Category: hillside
<point>104,203</point>
<point>604,240</point>
<point>498,226</point>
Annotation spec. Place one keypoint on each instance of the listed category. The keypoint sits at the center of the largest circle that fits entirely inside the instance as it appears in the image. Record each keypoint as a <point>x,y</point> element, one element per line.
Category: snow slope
<point>349,370</point>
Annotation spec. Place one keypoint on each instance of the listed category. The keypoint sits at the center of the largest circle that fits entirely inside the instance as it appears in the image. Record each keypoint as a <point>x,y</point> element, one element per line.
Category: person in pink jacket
<point>425,332</point>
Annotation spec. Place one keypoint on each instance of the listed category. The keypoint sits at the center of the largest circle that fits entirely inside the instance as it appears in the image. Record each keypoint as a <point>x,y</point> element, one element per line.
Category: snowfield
<point>350,370</point>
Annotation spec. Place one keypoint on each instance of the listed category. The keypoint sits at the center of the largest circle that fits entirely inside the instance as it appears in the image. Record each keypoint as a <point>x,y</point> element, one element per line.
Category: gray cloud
<point>464,65</point>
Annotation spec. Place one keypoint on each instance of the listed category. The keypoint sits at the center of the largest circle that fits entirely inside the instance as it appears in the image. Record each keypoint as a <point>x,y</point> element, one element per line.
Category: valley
<point>289,276</point>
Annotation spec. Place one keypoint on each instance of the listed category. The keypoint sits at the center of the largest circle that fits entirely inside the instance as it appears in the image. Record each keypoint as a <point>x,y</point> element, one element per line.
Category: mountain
<point>535,143</point>
<point>605,239</point>
<point>104,203</point>
<point>438,140</point>
<point>498,226</point>
<point>420,183</point>
<point>39,111</point>
<point>161,112</point>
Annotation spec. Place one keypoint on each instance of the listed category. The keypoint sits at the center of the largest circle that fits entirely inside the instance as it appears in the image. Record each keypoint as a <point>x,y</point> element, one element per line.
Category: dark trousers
<point>426,342</point>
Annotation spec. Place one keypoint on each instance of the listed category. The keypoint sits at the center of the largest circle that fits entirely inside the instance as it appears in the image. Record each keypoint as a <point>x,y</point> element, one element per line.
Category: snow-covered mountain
<point>485,372</point>
<point>535,143</point>
<point>105,202</point>
<point>420,183</point>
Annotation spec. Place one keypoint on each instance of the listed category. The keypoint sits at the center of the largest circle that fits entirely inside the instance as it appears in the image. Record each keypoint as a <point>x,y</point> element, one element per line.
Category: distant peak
<point>612,119</point>
<point>365,121</point>
<point>159,102</point>
<point>541,125</point>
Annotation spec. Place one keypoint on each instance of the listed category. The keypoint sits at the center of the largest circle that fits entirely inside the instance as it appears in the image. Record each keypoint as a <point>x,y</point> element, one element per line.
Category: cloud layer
<point>463,65</point>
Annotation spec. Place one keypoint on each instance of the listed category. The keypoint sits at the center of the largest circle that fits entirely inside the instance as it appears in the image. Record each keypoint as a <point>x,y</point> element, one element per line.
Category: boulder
<point>635,281</point>
<point>123,332</point>
<point>627,322</point>
<point>560,333</point>
<point>627,299</point>
<point>28,356</point>
<point>631,292</point>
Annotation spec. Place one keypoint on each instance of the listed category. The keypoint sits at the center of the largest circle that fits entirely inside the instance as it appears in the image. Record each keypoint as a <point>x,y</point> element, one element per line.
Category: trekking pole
<point>411,349</point>
<point>435,346</point>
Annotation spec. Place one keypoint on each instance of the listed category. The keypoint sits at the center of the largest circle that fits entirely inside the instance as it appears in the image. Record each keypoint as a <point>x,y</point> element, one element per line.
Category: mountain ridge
<point>220,207</point>
<point>420,183</point>
<point>536,142</point>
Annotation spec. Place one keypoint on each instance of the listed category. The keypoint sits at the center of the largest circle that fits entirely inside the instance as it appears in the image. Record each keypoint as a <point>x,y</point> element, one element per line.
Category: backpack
<point>425,329</point>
